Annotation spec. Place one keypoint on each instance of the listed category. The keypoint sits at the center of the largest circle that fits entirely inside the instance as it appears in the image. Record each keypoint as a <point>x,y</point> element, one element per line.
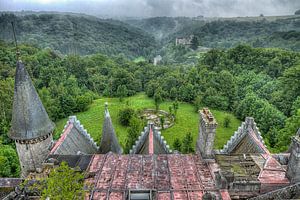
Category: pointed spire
<point>109,141</point>
<point>29,117</point>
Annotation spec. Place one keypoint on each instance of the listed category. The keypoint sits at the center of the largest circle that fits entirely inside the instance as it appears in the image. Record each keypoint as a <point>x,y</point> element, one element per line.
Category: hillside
<point>77,33</point>
<point>162,27</point>
<point>273,31</point>
<point>187,120</point>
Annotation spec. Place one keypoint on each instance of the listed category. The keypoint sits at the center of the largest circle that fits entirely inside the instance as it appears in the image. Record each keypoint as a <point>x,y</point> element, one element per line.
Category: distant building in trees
<point>157,60</point>
<point>186,41</point>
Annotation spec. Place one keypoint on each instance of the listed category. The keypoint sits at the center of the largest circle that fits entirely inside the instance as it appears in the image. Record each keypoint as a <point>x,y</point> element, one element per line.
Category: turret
<point>207,132</point>
<point>31,127</point>
<point>109,141</point>
<point>293,170</point>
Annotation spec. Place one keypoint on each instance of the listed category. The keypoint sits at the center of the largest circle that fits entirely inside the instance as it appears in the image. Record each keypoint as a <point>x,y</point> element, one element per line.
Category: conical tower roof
<point>29,117</point>
<point>109,141</point>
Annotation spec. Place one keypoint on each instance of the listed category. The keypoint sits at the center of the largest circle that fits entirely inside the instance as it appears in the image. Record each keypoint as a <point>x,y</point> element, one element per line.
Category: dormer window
<point>140,195</point>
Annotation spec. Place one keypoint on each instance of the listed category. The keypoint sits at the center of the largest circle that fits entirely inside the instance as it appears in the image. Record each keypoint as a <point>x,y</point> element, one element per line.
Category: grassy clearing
<point>187,119</point>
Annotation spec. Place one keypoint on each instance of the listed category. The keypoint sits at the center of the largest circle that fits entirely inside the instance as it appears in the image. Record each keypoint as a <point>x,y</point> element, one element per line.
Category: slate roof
<point>150,142</point>
<point>112,176</point>
<point>109,141</point>
<point>74,140</point>
<point>29,117</point>
<point>247,139</point>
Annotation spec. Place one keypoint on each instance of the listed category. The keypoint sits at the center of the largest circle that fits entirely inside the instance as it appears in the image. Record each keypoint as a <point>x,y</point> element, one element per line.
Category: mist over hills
<point>83,34</point>
<point>76,33</point>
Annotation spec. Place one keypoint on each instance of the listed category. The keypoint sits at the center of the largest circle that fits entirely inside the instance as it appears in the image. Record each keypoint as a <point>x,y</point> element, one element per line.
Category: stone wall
<point>293,172</point>
<point>32,154</point>
<point>289,192</point>
<point>207,132</point>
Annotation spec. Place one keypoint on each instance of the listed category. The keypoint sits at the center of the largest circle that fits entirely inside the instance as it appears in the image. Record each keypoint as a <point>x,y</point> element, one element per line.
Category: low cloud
<point>152,8</point>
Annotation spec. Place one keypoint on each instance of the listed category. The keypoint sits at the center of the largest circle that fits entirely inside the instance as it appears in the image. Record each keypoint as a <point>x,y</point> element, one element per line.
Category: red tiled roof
<point>62,137</point>
<point>151,145</point>
<point>171,176</point>
<point>258,142</point>
<point>272,174</point>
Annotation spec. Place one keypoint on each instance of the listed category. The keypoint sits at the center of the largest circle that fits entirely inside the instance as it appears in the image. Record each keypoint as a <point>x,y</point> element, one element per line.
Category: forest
<point>243,79</point>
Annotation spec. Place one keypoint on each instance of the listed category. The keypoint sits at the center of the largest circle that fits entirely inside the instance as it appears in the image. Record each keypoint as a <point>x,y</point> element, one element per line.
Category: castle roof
<point>29,117</point>
<point>74,140</point>
<point>150,142</point>
<point>247,139</point>
<point>109,141</point>
<point>113,176</point>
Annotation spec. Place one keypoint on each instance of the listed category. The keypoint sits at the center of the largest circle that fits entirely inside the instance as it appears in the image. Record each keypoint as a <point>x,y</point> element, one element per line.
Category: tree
<point>195,43</point>
<point>63,182</point>
<point>175,107</point>
<point>9,162</point>
<point>177,144</point>
<point>292,124</point>
<point>125,115</point>
<point>227,121</point>
<point>135,127</point>
<point>158,98</point>
<point>122,92</point>
<point>187,143</point>
<point>162,121</point>
<point>198,103</point>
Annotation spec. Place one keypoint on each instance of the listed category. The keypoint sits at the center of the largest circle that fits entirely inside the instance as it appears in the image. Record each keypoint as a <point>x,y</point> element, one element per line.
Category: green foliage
<point>265,114</point>
<point>292,124</point>
<point>162,122</point>
<point>226,122</point>
<point>9,162</point>
<point>198,103</point>
<point>195,43</point>
<point>62,183</point>
<point>135,126</point>
<point>177,144</point>
<point>158,98</point>
<point>122,92</point>
<point>175,106</point>
<point>125,116</point>
<point>78,34</point>
<point>6,94</point>
<point>187,142</point>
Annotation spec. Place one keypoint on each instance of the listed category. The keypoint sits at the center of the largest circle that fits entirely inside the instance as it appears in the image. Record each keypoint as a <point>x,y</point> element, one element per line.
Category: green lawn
<point>187,120</point>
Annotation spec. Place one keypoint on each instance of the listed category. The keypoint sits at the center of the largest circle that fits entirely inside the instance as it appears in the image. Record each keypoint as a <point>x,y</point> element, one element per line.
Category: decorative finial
<point>106,106</point>
<point>16,42</point>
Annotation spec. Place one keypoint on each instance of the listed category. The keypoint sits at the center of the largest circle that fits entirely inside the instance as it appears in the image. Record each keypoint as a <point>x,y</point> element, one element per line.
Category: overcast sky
<point>152,8</point>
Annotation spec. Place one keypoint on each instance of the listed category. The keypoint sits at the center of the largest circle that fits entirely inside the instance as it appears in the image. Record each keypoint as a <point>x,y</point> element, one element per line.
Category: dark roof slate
<point>109,141</point>
<point>74,140</point>
<point>150,142</point>
<point>29,117</point>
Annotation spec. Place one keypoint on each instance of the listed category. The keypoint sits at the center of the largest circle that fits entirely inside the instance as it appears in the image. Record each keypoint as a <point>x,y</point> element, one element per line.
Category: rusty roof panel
<point>169,176</point>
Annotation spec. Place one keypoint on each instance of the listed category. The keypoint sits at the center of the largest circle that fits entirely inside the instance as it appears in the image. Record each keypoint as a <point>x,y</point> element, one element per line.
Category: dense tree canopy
<point>263,83</point>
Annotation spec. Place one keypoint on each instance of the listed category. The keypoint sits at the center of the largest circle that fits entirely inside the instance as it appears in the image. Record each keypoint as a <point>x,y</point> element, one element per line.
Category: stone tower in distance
<point>293,170</point>
<point>31,127</point>
<point>207,132</point>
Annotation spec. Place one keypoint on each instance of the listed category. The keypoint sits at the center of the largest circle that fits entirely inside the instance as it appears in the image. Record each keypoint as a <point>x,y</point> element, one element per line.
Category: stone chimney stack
<point>207,132</point>
<point>293,170</point>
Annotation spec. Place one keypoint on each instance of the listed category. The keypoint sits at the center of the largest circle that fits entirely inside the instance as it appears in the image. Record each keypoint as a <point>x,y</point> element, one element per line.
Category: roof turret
<point>109,141</point>
<point>29,117</point>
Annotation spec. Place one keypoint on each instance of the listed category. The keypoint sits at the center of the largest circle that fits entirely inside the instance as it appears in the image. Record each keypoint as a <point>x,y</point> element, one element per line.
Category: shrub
<point>125,115</point>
